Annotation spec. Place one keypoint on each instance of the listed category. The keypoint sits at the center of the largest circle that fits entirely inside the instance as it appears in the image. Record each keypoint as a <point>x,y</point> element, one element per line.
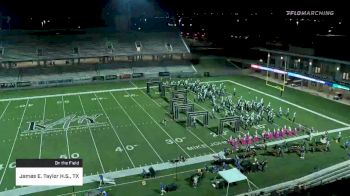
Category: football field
<point>118,126</point>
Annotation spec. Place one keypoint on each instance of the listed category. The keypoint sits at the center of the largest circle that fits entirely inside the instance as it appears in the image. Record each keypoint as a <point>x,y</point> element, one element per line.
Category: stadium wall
<point>94,79</point>
<point>81,60</point>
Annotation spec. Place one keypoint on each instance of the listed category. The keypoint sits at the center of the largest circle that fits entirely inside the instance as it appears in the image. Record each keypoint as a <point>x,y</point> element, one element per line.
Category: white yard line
<point>145,94</point>
<point>92,137</point>
<point>160,126</point>
<point>69,94</point>
<point>136,88</point>
<point>152,99</point>
<point>14,142</point>
<point>115,132</point>
<point>190,131</point>
<point>133,84</point>
<point>128,172</point>
<point>183,41</point>
<point>126,113</point>
<point>200,140</point>
<point>209,110</point>
<point>288,102</point>
<point>64,115</point>
<point>253,184</point>
<point>241,131</point>
<point>41,134</point>
<point>5,110</point>
<point>194,68</point>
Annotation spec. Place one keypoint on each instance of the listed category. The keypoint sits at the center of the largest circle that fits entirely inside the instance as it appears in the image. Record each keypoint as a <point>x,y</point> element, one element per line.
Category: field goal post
<point>273,84</point>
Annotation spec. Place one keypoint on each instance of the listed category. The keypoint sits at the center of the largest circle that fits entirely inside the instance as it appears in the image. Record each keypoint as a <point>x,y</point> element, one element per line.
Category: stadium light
<point>334,85</point>
<point>281,57</point>
<point>267,69</point>
<point>338,68</point>
<point>288,73</point>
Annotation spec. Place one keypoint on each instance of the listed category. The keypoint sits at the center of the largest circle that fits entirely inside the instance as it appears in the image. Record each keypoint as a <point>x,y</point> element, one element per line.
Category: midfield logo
<point>63,123</point>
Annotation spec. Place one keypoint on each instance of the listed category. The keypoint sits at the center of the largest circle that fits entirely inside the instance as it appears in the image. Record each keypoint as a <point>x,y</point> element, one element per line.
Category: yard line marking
<point>41,134</point>
<point>14,142</point>
<point>190,131</point>
<point>183,41</point>
<point>276,125</point>
<point>194,68</point>
<point>200,140</point>
<point>205,109</point>
<point>115,132</point>
<point>69,94</point>
<point>5,110</point>
<point>92,136</point>
<point>134,84</point>
<point>30,188</point>
<point>145,94</point>
<point>160,126</point>
<point>126,113</point>
<point>209,109</point>
<point>123,89</point>
<point>151,99</point>
<point>64,115</point>
<point>285,101</point>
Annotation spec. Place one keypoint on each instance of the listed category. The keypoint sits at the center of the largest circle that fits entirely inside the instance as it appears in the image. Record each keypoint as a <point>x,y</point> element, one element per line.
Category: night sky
<point>73,14</point>
<point>95,7</point>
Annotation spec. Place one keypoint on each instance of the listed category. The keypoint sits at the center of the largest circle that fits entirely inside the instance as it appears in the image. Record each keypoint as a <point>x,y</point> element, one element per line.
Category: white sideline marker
<point>14,142</point>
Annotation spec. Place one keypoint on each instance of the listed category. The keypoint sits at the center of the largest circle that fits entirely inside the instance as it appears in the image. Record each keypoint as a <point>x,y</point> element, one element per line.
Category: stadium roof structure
<point>303,56</point>
<point>26,46</point>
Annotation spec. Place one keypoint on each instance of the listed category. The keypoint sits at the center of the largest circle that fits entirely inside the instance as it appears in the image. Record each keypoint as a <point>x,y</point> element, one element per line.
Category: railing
<point>324,176</point>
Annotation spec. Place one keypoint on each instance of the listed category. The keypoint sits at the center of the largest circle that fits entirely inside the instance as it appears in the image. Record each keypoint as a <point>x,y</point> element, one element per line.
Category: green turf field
<point>125,129</point>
